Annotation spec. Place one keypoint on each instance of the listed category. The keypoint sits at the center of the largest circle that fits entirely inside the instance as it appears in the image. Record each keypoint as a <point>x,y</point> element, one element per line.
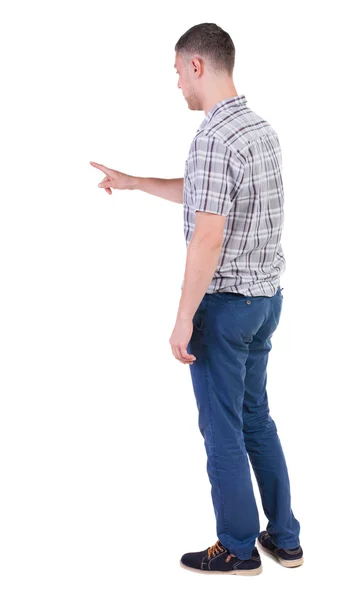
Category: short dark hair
<point>210,41</point>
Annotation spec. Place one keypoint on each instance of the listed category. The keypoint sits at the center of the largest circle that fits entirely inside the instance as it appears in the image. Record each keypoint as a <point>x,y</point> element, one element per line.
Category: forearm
<point>169,189</point>
<point>202,259</point>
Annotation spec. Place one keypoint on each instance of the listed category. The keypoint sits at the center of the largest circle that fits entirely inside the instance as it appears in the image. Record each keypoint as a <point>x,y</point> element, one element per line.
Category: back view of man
<point>232,195</point>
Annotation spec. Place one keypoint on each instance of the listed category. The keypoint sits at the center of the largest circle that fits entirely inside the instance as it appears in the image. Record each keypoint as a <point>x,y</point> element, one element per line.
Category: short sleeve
<point>218,174</point>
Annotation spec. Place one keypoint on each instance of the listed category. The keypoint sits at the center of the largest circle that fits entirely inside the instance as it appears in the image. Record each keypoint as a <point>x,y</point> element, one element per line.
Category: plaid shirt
<point>234,169</point>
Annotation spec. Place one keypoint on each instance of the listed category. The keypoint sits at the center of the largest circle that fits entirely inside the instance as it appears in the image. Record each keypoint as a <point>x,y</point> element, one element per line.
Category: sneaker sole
<point>285,563</point>
<point>235,572</point>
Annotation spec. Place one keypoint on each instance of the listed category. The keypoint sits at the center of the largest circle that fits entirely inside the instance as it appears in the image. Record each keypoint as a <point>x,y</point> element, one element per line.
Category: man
<point>232,195</point>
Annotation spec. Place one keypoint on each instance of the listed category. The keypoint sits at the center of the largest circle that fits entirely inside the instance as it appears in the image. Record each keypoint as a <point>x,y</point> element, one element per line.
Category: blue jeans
<point>231,340</point>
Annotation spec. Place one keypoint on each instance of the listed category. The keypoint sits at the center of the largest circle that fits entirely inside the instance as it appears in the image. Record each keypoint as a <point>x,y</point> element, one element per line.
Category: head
<point>204,61</point>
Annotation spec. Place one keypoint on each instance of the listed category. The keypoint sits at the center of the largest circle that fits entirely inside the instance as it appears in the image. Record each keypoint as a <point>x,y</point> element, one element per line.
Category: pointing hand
<point>113,179</point>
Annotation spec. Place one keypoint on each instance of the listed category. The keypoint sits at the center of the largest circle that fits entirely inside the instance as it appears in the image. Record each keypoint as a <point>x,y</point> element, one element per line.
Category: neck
<point>218,94</point>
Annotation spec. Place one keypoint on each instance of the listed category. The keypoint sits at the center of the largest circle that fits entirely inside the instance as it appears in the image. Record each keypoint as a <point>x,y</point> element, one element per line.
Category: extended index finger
<point>101,167</point>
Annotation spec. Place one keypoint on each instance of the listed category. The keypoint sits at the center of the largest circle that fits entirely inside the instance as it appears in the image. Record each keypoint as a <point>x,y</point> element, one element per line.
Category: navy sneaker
<point>292,557</point>
<point>218,559</point>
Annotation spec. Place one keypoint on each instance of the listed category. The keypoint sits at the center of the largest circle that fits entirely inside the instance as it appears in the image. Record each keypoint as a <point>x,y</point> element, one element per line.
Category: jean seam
<point>214,448</point>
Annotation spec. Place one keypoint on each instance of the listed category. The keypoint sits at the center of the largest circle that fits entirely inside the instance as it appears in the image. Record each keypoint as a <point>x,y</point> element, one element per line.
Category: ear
<point>198,65</point>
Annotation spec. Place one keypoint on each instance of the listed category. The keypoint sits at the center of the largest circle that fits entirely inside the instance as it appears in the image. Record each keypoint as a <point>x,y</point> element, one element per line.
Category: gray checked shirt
<point>234,169</point>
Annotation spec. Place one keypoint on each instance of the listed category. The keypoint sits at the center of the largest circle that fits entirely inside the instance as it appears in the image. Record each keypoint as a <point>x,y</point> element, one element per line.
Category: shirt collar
<point>226,104</point>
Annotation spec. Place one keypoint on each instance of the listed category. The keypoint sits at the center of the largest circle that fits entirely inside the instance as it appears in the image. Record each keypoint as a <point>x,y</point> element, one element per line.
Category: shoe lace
<point>213,550</point>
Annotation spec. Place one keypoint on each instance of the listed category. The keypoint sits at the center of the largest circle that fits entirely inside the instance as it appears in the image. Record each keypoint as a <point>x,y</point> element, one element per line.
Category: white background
<point>103,468</point>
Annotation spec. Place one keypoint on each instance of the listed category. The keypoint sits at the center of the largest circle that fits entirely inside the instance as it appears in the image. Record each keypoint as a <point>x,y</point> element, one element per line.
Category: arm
<point>217,177</point>
<point>218,174</point>
<point>202,258</point>
<point>169,189</point>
